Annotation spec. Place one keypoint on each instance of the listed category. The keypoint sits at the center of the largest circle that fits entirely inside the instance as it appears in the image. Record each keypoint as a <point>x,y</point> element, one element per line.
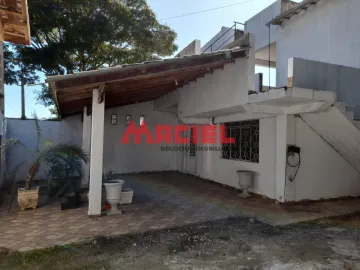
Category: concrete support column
<point>97,148</point>
<point>285,135</point>
<point>208,156</point>
<point>251,63</point>
<point>86,146</point>
<point>281,145</point>
<point>290,187</point>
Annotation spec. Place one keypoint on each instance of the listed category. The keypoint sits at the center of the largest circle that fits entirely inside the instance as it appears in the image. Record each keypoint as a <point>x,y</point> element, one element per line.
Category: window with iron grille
<point>192,145</point>
<point>246,145</point>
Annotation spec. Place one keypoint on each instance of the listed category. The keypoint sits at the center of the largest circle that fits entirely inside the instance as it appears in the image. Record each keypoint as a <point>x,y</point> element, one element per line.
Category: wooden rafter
<point>101,90</point>
<point>2,32</point>
<point>15,21</point>
<point>25,17</point>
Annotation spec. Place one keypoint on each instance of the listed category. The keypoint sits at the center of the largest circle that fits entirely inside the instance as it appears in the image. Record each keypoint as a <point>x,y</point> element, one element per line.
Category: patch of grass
<point>347,221</point>
<point>41,257</point>
<point>58,257</point>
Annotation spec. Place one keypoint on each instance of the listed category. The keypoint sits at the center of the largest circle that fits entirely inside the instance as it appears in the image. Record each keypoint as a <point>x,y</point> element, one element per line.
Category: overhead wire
<point>206,10</point>
<point>11,107</point>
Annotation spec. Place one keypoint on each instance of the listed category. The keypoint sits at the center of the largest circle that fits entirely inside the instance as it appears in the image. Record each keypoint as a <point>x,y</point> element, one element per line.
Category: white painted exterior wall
<point>327,32</point>
<point>323,173</point>
<point>257,25</point>
<point>130,158</point>
<point>224,171</point>
<point>67,131</point>
<point>222,90</point>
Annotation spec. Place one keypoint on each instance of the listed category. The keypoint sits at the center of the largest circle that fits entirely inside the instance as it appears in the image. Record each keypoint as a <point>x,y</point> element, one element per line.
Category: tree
<point>9,65</point>
<point>81,35</point>
<point>15,68</point>
<point>17,72</point>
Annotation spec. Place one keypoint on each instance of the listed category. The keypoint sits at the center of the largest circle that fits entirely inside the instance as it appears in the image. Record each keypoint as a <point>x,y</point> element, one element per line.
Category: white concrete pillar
<point>86,146</point>
<point>208,156</point>
<point>290,187</point>
<point>281,145</point>
<point>251,63</point>
<point>285,135</point>
<point>97,149</point>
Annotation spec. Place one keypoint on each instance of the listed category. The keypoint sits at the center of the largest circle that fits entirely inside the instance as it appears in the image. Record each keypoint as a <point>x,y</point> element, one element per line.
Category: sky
<point>201,26</point>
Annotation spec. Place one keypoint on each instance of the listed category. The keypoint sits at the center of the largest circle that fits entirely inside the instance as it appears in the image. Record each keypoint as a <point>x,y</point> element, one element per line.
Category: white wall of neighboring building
<point>220,40</point>
<point>192,48</point>
<point>323,173</point>
<point>257,25</point>
<point>121,158</point>
<point>327,32</point>
<point>130,158</point>
<point>69,130</point>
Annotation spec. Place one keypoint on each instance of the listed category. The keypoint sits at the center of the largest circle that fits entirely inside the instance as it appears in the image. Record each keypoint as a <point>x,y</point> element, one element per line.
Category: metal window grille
<point>246,145</point>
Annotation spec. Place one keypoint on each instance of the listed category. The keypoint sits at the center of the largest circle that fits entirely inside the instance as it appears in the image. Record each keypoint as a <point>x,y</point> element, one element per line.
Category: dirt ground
<point>235,243</point>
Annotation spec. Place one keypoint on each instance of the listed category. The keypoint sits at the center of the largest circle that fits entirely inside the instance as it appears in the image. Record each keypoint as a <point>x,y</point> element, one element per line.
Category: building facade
<point>300,139</point>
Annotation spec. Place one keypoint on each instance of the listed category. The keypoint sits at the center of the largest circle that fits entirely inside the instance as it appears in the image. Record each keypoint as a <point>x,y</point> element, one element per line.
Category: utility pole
<point>23,116</point>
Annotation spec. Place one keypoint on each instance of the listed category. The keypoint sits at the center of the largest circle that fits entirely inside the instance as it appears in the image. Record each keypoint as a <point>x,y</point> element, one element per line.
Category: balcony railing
<point>237,34</point>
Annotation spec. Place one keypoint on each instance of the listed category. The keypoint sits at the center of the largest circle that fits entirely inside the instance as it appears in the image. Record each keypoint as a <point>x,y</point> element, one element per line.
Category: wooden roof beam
<point>138,79</point>
<point>14,23</point>
<point>10,12</point>
<point>2,32</point>
<point>25,17</point>
<point>141,70</point>
<point>14,34</point>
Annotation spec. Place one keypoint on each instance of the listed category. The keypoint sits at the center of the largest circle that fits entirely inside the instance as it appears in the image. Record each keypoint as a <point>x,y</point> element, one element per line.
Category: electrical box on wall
<point>293,149</point>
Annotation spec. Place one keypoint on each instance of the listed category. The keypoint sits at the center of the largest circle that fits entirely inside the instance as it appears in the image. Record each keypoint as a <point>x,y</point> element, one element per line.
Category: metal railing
<point>236,32</point>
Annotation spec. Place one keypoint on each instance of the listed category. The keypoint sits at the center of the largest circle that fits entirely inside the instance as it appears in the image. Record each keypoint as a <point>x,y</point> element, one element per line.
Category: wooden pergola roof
<point>135,83</point>
<point>14,21</point>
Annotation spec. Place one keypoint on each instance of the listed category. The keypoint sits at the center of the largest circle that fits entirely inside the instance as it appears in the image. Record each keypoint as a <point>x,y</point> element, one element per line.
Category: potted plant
<point>65,174</point>
<point>28,196</point>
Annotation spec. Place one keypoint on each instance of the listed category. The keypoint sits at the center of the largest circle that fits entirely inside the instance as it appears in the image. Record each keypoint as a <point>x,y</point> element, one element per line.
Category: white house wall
<point>323,173</point>
<point>131,158</point>
<point>327,32</point>
<point>210,165</point>
<point>257,25</point>
<point>71,130</point>
<point>220,90</point>
<point>167,101</point>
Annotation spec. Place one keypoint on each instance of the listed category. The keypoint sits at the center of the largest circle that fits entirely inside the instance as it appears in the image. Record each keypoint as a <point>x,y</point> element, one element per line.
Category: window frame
<point>237,128</point>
